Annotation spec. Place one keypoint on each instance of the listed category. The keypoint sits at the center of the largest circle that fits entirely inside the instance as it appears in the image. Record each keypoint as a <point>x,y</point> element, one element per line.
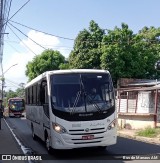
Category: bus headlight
<point>112,125</point>
<point>58,128</point>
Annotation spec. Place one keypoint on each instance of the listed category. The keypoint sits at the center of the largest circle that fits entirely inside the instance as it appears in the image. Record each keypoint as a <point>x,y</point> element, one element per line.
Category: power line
<point>3,11</point>
<point>16,12</point>
<point>8,11</point>
<point>13,47</point>
<point>65,37</point>
<point>56,47</point>
<point>66,48</point>
<point>43,32</point>
<point>13,83</point>
<point>16,42</point>
<point>21,41</point>
<point>28,37</point>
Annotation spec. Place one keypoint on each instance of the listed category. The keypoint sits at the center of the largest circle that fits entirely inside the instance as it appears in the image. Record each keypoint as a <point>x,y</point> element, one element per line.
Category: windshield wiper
<point>79,93</point>
<point>85,95</point>
<point>76,101</point>
<point>94,103</point>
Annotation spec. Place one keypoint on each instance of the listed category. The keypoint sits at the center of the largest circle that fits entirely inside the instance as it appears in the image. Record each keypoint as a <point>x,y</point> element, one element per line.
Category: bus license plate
<point>88,137</point>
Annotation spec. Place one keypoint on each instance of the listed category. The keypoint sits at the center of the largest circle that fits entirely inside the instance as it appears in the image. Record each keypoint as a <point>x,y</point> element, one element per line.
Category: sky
<point>65,18</point>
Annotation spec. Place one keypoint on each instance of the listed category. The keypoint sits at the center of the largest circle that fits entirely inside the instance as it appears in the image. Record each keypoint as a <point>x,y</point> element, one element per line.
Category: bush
<point>148,132</point>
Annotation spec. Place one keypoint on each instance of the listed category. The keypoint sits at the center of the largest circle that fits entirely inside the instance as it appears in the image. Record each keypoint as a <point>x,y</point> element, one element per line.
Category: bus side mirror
<point>157,65</point>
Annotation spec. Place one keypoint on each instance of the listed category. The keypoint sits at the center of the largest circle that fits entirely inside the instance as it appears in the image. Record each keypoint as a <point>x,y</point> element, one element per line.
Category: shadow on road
<point>124,147</point>
<point>133,147</point>
<point>88,154</point>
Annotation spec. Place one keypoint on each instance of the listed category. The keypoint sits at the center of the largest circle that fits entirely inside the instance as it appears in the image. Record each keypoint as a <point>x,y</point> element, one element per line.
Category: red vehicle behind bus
<point>16,107</point>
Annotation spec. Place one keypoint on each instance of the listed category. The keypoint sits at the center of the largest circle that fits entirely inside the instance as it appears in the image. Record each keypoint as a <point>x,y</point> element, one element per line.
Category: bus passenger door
<point>45,105</point>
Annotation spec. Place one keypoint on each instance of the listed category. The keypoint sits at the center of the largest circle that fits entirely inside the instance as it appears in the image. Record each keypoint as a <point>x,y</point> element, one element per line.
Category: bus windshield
<point>16,104</point>
<point>85,92</point>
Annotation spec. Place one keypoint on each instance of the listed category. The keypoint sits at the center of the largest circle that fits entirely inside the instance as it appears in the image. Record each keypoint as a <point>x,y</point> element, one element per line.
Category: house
<point>138,103</point>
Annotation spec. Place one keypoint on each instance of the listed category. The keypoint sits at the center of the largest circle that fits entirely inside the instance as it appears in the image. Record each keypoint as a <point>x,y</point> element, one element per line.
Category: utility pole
<point>1,45</point>
<point>4,13</point>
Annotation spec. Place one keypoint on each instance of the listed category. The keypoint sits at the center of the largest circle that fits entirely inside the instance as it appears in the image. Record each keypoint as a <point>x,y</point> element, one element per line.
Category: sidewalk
<point>8,144</point>
<point>131,134</point>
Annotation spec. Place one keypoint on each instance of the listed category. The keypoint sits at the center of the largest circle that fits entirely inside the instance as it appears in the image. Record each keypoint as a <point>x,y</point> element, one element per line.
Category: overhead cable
<point>28,37</point>
<point>8,13</point>
<point>13,47</point>
<point>43,32</point>
<point>16,12</point>
<point>56,47</point>
<point>13,83</point>
<point>21,40</point>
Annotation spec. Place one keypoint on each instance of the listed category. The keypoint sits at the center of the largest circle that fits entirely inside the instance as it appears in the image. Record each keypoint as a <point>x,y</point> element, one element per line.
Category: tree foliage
<point>19,92</point>
<point>10,94</point>
<point>48,60</point>
<point>120,51</point>
<point>87,51</point>
<point>130,55</point>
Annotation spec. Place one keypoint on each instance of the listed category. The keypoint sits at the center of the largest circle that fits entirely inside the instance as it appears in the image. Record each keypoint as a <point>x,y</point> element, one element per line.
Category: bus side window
<point>29,99</point>
<point>38,94</point>
<point>43,93</point>
<point>44,97</point>
<point>35,94</point>
<point>26,96</point>
<point>30,95</point>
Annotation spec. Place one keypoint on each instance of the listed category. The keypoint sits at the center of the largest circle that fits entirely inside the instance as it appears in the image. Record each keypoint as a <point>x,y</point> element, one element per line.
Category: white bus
<point>61,110</point>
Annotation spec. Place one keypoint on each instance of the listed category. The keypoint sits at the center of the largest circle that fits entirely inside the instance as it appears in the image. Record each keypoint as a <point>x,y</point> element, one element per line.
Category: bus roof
<point>15,98</point>
<point>64,72</point>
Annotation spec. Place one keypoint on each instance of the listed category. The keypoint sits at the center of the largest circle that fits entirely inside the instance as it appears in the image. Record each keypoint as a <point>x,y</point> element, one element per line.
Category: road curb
<point>155,141</point>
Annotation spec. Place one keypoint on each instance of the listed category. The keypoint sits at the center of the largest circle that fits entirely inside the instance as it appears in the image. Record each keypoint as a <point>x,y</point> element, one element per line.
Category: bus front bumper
<point>66,141</point>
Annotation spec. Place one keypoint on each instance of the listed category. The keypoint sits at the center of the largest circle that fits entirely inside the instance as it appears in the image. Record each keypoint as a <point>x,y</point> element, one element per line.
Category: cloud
<point>46,41</point>
<point>17,73</point>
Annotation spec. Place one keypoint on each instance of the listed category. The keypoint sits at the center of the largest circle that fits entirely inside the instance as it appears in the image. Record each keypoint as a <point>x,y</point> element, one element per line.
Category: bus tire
<point>47,143</point>
<point>33,134</point>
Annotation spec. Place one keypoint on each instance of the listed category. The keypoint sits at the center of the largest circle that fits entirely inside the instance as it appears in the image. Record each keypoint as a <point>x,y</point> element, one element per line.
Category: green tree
<point>130,55</point>
<point>48,60</point>
<point>150,47</point>
<point>11,94</point>
<point>8,94</point>
<point>87,52</point>
<point>64,65</point>
<point>20,92</point>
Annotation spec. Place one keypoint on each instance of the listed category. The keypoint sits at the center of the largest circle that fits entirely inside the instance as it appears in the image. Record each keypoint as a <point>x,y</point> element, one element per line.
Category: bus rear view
<point>81,110</point>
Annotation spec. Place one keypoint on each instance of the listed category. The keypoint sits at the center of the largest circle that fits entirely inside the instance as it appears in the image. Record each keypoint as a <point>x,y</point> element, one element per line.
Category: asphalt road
<point>124,147</point>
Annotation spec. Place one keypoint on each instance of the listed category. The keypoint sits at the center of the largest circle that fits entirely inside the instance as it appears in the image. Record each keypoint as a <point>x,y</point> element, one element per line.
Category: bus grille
<point>77,136</point>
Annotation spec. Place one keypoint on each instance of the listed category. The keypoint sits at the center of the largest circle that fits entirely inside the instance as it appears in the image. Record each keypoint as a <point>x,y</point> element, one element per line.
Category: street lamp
<point>9,68</point>
<point>3,79</point>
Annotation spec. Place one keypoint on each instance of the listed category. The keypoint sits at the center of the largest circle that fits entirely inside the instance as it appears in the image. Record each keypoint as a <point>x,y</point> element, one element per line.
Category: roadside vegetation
<point>149,132</point>
<point>121,51</point>
<point>19,92</point>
